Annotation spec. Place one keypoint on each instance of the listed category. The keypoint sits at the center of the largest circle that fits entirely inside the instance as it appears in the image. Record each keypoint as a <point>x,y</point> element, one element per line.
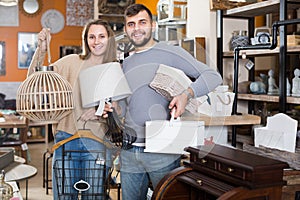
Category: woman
<point>98,47</point>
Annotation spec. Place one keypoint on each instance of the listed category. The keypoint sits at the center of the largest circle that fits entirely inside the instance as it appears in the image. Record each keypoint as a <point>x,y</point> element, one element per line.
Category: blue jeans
<point>84,160</point>
<point>138,168</point>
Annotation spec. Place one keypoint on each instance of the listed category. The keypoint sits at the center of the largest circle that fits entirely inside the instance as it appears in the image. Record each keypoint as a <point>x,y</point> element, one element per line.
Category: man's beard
<point>142,43</point>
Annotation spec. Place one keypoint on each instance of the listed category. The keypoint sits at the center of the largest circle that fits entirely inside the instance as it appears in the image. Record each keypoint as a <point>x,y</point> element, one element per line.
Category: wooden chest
<point>219,172</point>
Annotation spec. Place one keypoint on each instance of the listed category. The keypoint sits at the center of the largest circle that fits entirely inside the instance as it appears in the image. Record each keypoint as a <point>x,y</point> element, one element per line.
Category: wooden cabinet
<point>219,172</point>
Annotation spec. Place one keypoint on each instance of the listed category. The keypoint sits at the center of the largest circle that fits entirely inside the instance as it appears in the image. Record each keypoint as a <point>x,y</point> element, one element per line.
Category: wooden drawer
<point>207,162</point>
<point>231,170</point>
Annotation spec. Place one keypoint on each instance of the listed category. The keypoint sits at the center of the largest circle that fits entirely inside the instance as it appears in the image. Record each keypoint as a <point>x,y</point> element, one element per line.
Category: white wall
<point>202,23</point>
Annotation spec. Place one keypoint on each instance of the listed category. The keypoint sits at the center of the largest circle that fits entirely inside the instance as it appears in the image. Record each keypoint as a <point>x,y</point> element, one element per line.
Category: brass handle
<point>229,169</point>
<point>199,182</point>
<point>203,161</point>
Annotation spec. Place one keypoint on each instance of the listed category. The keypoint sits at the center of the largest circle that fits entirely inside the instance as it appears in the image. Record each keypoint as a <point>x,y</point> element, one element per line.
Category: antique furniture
<point>16,122</point>
<point>219,172</point>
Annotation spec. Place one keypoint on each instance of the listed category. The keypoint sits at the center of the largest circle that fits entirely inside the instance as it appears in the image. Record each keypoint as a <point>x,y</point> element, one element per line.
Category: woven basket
<point>44,96</point>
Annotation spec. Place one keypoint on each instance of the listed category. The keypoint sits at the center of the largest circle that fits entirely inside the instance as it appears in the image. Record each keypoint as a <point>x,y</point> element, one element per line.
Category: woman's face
<point>97,40</point>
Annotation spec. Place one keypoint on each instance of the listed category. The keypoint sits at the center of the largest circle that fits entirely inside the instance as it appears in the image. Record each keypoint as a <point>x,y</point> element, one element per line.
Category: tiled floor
<point>35,184</point>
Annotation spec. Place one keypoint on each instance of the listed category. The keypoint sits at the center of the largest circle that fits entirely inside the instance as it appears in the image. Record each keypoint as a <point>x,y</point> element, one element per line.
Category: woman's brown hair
<point>111,51</point>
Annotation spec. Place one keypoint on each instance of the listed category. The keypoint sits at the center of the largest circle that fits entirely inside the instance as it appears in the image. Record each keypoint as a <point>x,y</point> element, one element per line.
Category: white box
<point>163,136</point>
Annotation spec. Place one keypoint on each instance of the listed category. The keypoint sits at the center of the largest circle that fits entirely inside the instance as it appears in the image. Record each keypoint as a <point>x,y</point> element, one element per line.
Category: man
<point>138,168</point>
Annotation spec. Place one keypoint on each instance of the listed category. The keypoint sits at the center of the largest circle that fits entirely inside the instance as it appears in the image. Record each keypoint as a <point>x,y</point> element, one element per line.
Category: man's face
<point>139,29</point>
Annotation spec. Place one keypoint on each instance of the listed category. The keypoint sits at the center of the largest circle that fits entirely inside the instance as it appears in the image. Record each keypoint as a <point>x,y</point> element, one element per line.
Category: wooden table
<point>18,122</point>
<point>217,126</point>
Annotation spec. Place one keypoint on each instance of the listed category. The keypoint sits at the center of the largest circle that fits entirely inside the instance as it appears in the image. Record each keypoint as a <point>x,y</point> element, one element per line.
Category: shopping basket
<point>78,177</point>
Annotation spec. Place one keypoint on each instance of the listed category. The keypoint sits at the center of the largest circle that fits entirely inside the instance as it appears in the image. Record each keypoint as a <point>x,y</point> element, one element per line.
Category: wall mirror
<point>30,7</point>
<point>2,58</point>
<point>27,44</point>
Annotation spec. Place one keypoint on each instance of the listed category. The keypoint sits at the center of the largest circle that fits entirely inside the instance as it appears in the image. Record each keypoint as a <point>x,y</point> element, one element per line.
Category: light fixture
<point>45,95</point>
<point>8,2</point>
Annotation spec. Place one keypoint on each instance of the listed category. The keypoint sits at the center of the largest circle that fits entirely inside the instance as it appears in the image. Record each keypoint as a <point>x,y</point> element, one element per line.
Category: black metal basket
<point>74,181</point>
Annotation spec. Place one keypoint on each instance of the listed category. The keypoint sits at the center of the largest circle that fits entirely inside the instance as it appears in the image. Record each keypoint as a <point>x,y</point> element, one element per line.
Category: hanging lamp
<point>45,95</point>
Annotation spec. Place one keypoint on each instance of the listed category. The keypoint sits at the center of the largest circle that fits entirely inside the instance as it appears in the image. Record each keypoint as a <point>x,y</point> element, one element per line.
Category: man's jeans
<point>138,167</point>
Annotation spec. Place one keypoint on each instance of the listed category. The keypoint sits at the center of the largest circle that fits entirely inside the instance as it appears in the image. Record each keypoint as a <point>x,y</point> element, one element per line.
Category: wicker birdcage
<point>44,96</point>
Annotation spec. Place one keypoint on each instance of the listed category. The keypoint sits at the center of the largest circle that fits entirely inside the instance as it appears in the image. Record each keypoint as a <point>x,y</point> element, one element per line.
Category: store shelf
<point>260,8</point>
<point>267,98</point>
<point>263,52</point>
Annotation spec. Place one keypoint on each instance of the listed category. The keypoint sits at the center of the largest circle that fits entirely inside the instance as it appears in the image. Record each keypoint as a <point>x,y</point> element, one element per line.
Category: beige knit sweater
<point>69,67</point>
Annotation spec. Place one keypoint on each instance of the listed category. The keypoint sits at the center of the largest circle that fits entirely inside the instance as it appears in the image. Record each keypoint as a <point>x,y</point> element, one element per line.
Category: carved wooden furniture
<point>219,172</point>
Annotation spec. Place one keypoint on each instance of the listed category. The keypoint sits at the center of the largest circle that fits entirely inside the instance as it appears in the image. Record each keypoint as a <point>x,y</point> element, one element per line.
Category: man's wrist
<point>188,94</point>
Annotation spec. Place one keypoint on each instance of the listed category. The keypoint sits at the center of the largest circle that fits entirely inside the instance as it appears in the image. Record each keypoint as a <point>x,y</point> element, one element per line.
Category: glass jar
<point>6,190</point>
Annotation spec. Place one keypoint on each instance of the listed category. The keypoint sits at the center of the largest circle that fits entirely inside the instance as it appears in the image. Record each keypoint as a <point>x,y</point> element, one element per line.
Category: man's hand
<point>179,102</point>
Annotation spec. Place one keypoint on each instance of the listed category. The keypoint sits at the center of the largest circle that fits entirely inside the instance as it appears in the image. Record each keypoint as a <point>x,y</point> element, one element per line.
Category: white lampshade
<point>101,82</point>
<point>44,96</point>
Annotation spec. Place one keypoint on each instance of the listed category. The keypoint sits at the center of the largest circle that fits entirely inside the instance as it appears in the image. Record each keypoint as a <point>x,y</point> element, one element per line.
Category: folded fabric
<point>170,82</point>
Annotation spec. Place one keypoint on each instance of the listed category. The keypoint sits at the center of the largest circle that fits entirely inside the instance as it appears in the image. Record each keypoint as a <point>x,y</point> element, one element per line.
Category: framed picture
<point>27,44</point>
<point>114,6</point>
<point>66,50</point>
<point>2,58</point>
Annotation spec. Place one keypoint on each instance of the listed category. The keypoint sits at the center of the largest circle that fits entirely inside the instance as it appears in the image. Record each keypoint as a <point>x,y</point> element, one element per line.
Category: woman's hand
<point>42,39</point>
<point>109,108</point>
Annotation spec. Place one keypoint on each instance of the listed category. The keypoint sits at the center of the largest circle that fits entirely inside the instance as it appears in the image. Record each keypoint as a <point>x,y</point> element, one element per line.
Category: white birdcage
<point>44,96</point>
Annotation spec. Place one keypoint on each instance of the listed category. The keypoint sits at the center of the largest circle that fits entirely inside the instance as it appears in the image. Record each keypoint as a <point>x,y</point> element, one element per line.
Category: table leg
<point>26,189</point>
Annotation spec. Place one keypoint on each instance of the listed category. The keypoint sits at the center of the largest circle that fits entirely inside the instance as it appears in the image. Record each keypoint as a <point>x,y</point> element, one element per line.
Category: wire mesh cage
<point>79,177</point>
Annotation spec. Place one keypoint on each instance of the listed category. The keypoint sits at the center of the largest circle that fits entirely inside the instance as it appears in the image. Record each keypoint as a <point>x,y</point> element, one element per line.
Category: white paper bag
<point>219,103</point>
<point>164,136</point>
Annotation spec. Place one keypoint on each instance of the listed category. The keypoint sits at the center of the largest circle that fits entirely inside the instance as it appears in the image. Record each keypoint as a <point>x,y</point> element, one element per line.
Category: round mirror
<point>30,7</point>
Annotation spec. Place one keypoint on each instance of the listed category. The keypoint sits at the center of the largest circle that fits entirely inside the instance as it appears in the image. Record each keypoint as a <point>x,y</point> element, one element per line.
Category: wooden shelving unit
<point>267,98</point>
<point>262,52</point>
<point>261,8</point>
<point>248,12</point>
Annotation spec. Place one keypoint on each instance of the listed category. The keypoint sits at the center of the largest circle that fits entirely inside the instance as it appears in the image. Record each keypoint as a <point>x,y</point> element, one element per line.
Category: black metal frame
<point>282,55</point>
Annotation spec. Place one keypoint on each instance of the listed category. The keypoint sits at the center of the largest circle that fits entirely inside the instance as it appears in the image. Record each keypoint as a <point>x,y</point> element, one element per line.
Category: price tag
<point>24,146</point>
<point>249,65</point>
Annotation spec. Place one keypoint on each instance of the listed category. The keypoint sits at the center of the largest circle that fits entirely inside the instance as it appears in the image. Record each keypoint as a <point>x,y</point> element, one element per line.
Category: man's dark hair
<point>134,9</point>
